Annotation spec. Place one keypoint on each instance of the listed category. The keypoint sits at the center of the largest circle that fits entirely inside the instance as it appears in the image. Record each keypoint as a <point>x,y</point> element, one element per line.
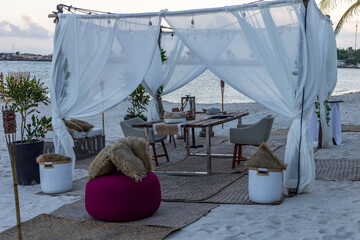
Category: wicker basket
<point>83,148</point>
<point>265,185</point>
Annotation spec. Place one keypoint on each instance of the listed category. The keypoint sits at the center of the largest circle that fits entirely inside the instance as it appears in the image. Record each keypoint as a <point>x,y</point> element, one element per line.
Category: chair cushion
<point>94,132</point>
<point>126,161</point>
<point>78,135</point>
<point>102,164</point>
<point>159,138</point>
<point>118,198</point>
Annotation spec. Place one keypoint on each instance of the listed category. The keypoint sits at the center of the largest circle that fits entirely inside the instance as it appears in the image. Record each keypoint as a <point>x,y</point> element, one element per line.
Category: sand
<point>330,211</point>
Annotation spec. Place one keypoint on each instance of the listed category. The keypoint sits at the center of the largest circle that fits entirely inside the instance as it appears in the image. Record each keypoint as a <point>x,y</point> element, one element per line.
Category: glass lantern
<point>188,106</point>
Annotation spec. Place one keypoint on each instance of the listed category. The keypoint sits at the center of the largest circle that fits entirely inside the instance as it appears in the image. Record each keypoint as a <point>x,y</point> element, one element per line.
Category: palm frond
<point>326,5</point>
<point>349,13</point>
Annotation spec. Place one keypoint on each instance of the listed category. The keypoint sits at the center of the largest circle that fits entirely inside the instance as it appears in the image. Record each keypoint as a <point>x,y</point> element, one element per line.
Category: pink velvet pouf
<point>118,198</point>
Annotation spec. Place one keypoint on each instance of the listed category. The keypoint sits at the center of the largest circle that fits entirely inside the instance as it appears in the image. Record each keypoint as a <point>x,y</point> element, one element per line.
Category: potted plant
<point>25,95</point>
<point>139,100</point>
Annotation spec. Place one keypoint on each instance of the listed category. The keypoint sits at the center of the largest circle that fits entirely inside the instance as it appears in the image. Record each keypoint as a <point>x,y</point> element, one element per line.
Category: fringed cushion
<point>102,164</point>
<point>53,157</point>
<point>141,150</point>
<point>264,158</point>
<point>84,125</point>
<point>73,125</point>
<point>126,161</point>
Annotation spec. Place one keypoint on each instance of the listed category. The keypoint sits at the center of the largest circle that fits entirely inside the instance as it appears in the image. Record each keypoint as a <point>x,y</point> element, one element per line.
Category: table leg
<point>239,121</point>
<point>147,134</point>
<point>208,149</point>
<point>186,130</point>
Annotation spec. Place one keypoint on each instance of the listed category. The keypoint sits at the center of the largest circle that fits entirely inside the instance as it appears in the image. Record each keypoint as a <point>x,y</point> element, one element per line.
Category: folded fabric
<point>174,115</point>
<point>94,132</point>
<point>78,135</point>
<point>167,128</point>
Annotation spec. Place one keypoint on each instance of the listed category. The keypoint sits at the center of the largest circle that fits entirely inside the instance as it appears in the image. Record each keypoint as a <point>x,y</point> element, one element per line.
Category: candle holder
<point>188,106</point>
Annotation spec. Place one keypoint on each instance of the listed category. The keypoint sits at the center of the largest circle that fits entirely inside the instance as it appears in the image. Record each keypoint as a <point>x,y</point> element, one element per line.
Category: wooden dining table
<point>207,123</point>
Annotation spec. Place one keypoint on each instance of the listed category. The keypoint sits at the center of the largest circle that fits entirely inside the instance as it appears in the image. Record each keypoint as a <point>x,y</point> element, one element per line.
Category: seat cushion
<point>94,132</point>
<point>78,135</point>
<point>118,198</point>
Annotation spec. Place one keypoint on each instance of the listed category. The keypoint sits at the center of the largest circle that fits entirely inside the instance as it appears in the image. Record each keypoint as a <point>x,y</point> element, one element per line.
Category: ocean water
<point>348,81</point>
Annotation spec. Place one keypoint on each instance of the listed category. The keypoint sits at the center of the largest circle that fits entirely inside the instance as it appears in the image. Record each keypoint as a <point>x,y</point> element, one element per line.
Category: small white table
<point>335,121</point>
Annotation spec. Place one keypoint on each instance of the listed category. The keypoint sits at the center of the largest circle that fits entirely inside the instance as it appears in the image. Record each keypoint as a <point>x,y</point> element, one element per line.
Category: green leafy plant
<point>25,95</point>
<point>327,111</point>
<point>139,100</point>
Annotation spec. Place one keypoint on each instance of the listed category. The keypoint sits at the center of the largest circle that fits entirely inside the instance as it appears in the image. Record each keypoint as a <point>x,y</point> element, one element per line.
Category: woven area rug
<point>194,188</point>
<point>338,169</point>
<point>44,227</point>
<point>170,214</point>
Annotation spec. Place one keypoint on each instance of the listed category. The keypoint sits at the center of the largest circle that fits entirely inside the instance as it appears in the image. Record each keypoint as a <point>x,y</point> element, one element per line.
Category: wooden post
<point>103,123</point>
<point>320,137</point>
<point>1,84</point>
<point>9,125</point>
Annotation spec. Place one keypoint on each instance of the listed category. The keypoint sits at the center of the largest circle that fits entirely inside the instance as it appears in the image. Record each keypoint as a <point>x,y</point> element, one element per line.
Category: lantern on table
<point>188,106</point>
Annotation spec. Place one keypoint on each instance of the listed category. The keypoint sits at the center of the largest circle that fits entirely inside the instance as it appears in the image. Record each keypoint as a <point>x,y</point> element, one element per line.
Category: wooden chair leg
<point>239,154</point>
<point>234,156</point>
<point>165,152</point>
<point>154,154</point>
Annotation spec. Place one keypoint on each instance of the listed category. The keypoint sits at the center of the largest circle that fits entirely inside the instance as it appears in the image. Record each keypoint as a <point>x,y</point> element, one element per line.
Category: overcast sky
<point>25,26</point>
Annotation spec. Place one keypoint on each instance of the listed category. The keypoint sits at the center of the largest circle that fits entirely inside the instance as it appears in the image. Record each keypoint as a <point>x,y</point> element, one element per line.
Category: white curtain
<point>97,62</point>
<point>263,52</point>
<point>181,67</point>
<point>323,47</point>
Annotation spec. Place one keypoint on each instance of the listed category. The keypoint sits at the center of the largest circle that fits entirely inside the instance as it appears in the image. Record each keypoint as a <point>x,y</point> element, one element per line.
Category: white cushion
<point>94,132</point>
<point>78,135</point>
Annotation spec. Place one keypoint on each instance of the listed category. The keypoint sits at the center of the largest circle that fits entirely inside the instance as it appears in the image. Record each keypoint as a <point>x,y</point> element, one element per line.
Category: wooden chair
<point>250,134</point>
<point>129,131</point>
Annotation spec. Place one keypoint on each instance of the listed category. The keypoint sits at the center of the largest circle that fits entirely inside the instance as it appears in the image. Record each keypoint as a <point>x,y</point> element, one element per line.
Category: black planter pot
<point>27,169</point>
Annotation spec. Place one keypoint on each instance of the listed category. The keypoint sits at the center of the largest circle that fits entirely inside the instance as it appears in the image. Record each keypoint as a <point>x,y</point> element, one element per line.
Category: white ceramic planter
<point>265,185</point>
<point>56,177</point>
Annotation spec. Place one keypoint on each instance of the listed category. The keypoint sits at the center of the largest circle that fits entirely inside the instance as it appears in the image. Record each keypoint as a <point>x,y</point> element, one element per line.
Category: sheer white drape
<point>181,67</point>
<point>97,62</point>
<point>263,53</point>
<point>323,48</point>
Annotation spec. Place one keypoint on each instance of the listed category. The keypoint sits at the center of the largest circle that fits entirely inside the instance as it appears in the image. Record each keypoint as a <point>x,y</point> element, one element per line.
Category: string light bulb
<point>192,22</point>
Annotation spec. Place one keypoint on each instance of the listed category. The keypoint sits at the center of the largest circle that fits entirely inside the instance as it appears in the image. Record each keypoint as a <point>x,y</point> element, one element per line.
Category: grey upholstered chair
<point>250,134</point>
<point>129,131</point>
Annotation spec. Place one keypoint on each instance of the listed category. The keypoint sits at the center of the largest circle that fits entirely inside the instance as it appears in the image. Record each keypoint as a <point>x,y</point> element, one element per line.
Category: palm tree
<point>354,9</point>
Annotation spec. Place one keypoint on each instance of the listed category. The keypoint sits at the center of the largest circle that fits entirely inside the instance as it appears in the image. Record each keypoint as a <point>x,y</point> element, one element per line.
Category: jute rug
<point>170,214</point>
<point>194,188</point>
<point>350,128</point>
<point>45,227</point>
<point>338,169</point>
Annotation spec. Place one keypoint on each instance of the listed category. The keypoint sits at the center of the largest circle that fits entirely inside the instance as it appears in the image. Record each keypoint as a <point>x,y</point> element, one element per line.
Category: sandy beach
<point>330,211</point>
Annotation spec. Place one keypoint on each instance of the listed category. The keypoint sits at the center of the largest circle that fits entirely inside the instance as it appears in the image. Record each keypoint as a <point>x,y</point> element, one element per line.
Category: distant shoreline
<point>48,58</point>
<point>25,57</point>
<point>26,60</point>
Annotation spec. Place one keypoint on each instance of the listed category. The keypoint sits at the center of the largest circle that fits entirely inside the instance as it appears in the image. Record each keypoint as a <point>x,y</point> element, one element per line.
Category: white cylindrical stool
<point>55,175</point>
<point>265,185</point>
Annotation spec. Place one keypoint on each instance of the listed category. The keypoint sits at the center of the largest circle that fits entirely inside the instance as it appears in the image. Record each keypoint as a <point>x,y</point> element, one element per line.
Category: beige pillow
<point>73,125</point>
<point>126,161</point>
<point>102,164</point>
<point>84,125</point>
<point>141,150</point>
